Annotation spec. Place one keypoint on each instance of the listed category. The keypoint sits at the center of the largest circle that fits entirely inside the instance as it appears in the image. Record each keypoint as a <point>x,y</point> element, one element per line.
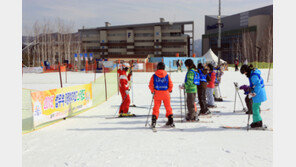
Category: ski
<point>163,127</point>
<point>154,129</point>
<point>200,121</point>
<point>133,105</point>
<point>265,128</point>
<point>132,116</point>
<point>140,107</point>
<point>215,111</point>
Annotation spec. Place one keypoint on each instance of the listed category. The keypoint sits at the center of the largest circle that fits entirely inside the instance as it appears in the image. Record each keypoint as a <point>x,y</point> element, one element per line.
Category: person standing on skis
<point>191,80</point>
<point>161,86</point>
<point>124,91</point>
<point>258,93</point>
<point>201,90</point>
<point>210,87</point>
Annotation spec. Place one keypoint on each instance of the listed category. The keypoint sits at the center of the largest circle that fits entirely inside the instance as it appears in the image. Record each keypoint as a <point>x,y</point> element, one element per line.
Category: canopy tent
<point>212,58</point>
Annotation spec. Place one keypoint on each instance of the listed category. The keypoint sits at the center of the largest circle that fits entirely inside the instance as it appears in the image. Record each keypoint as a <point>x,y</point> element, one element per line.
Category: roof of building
<point>263,9</point>
<point>137,25</point>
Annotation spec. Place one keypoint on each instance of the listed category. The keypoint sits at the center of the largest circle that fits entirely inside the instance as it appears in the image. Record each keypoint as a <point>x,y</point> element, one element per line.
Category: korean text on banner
<point>55,104</point>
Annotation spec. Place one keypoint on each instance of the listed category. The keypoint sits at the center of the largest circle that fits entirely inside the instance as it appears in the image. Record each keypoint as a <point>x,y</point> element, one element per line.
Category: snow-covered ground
<point>46,81</point>
<point>91,140</point>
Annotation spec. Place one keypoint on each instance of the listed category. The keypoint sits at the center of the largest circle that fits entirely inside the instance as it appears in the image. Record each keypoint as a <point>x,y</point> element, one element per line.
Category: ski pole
<point>219,91</point>
<point>181,105</point>
<point>248,121</point>
<point>234,97</point>
<point>120,105</point>
<point>149,110</point>
<point>185,102</point>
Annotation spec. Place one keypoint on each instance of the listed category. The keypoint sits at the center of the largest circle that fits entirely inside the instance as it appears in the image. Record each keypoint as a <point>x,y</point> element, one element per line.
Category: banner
<point>138,66</point>
<point>123,64</point>
<point>75,56</point>
<point>55,104</point>
<point>81,56</point>
<point>32,70</point>
<point>90,56</point>
<point>85,56</point>
<point>108,64</point>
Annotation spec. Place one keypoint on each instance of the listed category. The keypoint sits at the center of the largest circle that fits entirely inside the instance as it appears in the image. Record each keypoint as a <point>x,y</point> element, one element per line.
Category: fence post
<point>105,81</point>
<point>60,75</point>
<point>66,73</point>
<point>117,75</point>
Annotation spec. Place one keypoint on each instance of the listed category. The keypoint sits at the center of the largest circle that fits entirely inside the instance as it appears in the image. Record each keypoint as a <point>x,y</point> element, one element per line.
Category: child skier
<point>161,86</point>
<point>258,93</point>
<point>210,87</point>
<point>201,90</point>
<point>219,73</point>
<point>191,80</point>
<point>249,101</point>
<point>124,91</point>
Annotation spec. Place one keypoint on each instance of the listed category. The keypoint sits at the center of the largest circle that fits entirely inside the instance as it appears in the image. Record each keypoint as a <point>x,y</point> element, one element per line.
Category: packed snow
<point>91,140</point>
<point>47,81</point>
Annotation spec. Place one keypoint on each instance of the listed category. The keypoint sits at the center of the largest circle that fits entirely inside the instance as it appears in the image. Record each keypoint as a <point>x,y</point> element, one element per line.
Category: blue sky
<point>94,13</point>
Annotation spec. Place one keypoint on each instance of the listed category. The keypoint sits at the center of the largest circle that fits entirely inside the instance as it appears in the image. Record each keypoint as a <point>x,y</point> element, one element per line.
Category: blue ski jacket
<point>257,85</point>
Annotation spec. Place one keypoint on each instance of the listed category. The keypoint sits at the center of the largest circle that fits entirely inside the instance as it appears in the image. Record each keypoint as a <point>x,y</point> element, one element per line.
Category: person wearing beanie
<point>161,86</point>
<point>201,90</point>
<point>258,93</point>
<point>210,87</point>
<point>191,82</point>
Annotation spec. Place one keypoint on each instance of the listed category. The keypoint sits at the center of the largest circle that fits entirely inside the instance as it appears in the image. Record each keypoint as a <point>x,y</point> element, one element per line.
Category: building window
<point>144,35</point>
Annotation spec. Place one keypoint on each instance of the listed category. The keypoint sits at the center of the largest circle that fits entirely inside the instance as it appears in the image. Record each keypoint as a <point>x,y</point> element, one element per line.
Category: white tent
<point>211,57</point>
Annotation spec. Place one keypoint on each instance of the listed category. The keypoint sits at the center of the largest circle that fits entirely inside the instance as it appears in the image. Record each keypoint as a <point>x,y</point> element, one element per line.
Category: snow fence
<point>43,108</point>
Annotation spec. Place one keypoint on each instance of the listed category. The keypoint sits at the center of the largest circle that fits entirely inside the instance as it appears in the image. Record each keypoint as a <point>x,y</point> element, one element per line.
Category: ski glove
<point>251,95</point>
<point>182,86</point>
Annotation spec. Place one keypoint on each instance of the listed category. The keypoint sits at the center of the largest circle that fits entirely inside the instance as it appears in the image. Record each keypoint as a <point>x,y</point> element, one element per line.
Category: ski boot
<point>218,99</point>
<point>256,124</point>
<point>211,106</point>
<point>153,124</point>
<point>170,121</point>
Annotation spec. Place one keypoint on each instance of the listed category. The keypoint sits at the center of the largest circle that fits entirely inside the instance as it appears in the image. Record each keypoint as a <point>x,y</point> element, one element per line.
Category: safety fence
<point>43,108</point>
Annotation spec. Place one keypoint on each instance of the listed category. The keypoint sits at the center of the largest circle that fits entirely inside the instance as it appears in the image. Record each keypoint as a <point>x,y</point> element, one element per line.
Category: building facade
<point>247,35</point>
<point>161,39</point>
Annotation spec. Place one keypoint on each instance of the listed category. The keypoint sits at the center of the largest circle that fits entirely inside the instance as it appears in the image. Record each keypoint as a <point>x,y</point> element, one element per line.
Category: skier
<point>178,65</point>
<point>124,91</point>
<point>236,62</point>
<point>210,87</point>
<point>219,73</point>
<point>258,93</point>
<point>191,80</point>
<point>161,86</point>
<point>249,101</point>
<point>201,90</point>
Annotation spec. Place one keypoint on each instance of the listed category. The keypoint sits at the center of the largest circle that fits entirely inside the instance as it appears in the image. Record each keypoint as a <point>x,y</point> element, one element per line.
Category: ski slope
<point>91,140</point>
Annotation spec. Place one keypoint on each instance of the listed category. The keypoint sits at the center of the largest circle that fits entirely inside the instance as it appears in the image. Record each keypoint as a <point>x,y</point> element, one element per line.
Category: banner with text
<point>55,104</point>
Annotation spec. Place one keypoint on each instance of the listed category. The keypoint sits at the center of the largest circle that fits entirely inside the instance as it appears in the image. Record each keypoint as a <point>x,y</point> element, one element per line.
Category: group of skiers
<point>203,81</point>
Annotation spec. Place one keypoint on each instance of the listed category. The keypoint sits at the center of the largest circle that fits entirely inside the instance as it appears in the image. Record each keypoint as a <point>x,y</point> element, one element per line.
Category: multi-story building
<point>161,39</point>
<point>247,35</point>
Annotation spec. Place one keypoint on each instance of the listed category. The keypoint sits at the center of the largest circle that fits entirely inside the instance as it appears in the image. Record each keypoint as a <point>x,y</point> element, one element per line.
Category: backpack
<point>196,79</point>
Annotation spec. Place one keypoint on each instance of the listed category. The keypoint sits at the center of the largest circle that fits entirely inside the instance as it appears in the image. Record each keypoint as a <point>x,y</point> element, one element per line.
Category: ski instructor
<point>124,91</point>
<point>161,86</point>
<point>257,94</point>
